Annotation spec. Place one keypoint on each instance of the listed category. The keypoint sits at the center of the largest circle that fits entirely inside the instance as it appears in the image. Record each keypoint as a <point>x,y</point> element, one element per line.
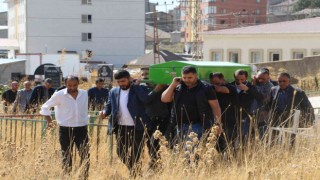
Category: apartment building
<point>114,31</point>
<point>209,15</point>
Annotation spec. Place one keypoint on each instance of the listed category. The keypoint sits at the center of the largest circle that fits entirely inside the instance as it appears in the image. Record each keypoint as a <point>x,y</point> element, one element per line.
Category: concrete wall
<point>69,63</point>
<point>304,70</point>
<point>309,66</point>
<point>7,69</point>
<point>17,22</point>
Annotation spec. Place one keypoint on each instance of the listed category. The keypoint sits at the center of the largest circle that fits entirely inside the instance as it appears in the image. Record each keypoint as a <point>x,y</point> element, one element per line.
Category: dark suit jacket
<point>138,96</point>
<point>38,95</point>
<point>300,102</point>
<point>245,99</point>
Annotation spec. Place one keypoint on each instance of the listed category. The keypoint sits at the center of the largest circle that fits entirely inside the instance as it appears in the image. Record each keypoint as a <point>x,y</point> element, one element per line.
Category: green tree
<point>303,4</point>
<point>315,4</point>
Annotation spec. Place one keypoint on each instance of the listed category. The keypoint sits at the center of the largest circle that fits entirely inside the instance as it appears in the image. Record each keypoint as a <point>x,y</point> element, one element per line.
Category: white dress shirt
<point>124,115</point>
<point>69,112</point>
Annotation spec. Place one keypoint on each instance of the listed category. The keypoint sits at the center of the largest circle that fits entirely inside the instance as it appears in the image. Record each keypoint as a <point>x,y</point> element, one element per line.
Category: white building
<point>114,30</point>
<point>264,43</point>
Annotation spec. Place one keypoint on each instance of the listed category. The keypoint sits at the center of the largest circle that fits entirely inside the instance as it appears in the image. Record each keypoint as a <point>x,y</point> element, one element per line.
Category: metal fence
<point>32,129</point>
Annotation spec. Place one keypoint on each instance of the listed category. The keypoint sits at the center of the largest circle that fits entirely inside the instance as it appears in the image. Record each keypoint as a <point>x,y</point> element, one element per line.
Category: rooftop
<point>9,61</point>
<point>311,25</point>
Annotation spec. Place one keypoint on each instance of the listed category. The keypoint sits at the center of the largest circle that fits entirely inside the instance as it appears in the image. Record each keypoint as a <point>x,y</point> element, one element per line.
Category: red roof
<point>311,25</point>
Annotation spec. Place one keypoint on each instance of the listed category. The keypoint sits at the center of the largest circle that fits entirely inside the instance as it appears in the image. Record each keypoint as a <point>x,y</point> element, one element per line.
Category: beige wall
<point>262,42</point>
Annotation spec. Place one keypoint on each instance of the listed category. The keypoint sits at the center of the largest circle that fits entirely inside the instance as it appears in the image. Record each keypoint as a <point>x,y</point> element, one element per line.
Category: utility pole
<point>166,4</point>
<point>156,49</point>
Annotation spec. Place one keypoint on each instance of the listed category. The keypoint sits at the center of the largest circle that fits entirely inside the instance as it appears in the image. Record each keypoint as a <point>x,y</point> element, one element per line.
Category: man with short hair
<point>265,69</point>
<point>227,97</point>
<point>195,105</point>
<point>260,107</point>
<point>284,98</point>
<point>98,96</point>
<point>126,105</point>
<point>71,112</point>
<point>41,93</point>
<point>23,97</point>
<point>9,95</point>
<point>246,93</point>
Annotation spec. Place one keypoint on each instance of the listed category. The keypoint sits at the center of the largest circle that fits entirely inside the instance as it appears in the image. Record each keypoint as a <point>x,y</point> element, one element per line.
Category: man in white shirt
<point>128,119</point>
<point>71,111</point>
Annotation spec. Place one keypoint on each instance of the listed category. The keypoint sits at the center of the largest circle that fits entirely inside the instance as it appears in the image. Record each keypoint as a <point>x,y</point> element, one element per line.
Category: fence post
<point>43,130</point>
<point>91,120</point>
<point>10,130</point>
<point>98,137</point>
<point>111,148</point>
<point>15,131</point>
<point>25,132</point>
<point>1,130</point>
<point>21,131</point>
<point>35,134</point>
<point>5,130</point>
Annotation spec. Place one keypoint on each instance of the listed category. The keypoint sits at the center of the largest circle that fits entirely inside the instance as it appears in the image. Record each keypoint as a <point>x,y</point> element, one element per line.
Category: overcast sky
<point>162,7</point>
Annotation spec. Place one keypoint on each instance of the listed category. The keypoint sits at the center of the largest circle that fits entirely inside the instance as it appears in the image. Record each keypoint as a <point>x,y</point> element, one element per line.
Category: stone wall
<point>306,71</point>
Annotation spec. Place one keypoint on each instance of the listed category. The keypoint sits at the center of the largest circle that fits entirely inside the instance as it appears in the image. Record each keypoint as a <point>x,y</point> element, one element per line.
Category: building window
<point>234,56</point>
<point>222,21</point>
<point>298,53</point>
<point>257,11</point>
<point>87,2</point>
<point>256,56</point>
<point>86,36</point>
<point>258,1</point>
<point>86,18</point>
<point>217,55</point>
<point>211,21</point>
<point>258,22</point>
<point>223,11</point>
<point>315,52</point>
<point>210,10</point>
<point>274,55</point>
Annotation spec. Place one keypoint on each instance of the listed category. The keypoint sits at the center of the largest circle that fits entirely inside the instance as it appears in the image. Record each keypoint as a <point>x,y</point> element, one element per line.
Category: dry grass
<point>41,160</point>
<point>36,158</point>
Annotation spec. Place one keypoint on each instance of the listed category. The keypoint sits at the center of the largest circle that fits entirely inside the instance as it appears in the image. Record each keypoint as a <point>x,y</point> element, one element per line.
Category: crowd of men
<point>136,110</point>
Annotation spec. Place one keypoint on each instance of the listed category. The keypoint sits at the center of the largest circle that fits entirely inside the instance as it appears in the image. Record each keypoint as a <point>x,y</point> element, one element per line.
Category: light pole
<point>165,4</point>
<point>156,49</point>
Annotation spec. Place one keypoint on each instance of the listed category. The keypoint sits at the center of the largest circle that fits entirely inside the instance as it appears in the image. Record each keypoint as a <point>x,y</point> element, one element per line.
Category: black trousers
<point>68,136</point>
<point>228,138</point>
<point>157,123</point>
<point>130,143</point>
